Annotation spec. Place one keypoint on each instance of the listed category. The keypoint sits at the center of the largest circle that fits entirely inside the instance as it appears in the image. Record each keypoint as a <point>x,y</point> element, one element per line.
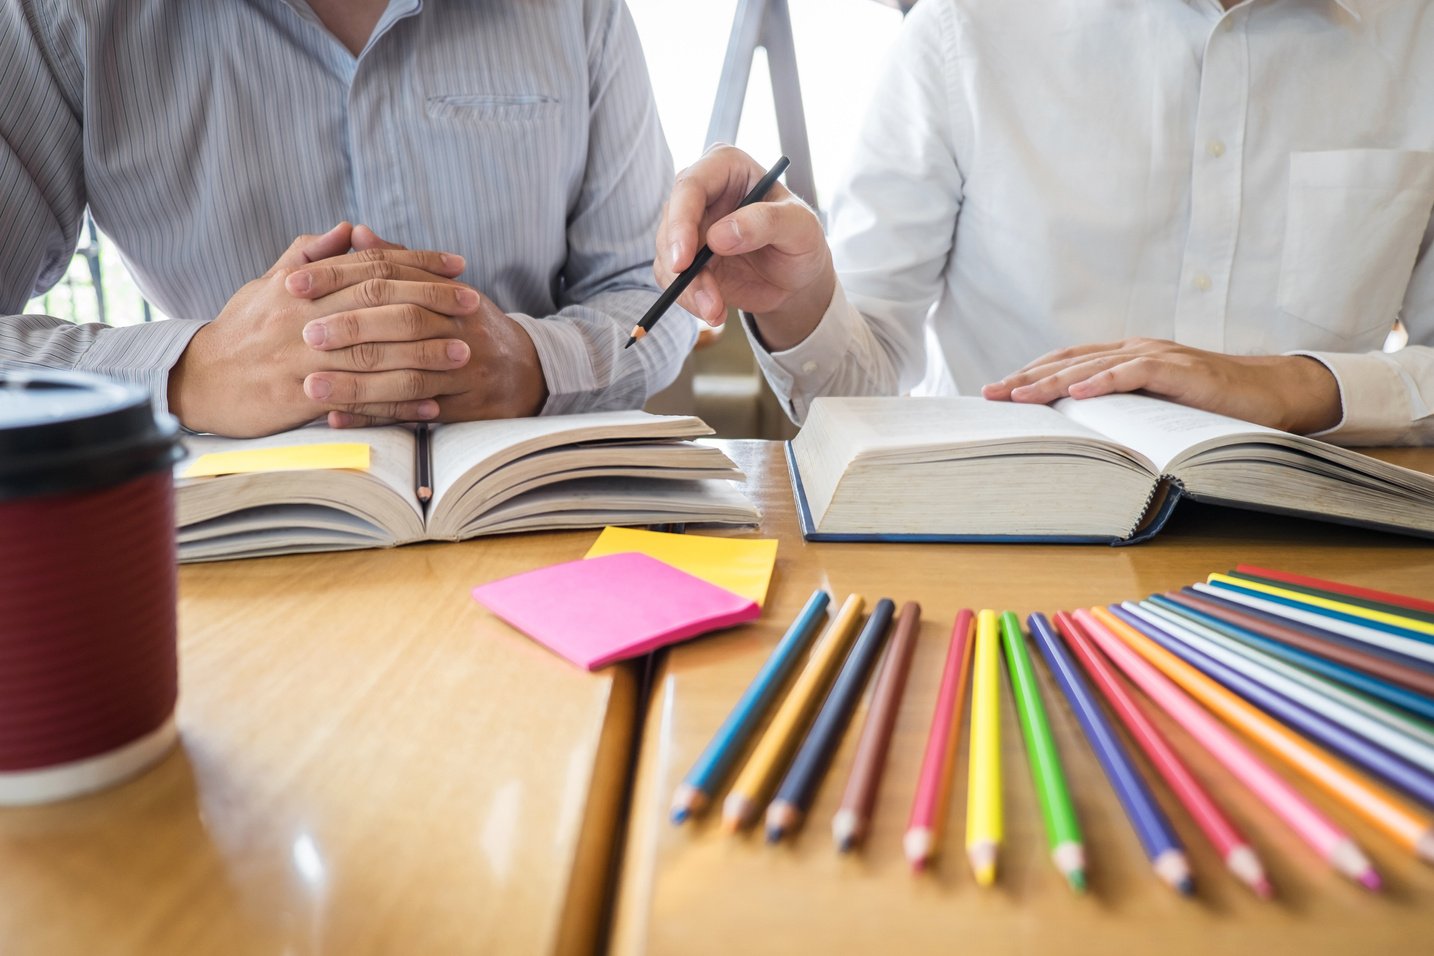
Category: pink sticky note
<point>611,608</point>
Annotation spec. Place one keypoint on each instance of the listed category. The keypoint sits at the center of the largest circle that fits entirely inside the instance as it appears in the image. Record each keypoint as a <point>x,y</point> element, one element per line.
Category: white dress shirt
<point>521,134</point>
<point>1044,173</point>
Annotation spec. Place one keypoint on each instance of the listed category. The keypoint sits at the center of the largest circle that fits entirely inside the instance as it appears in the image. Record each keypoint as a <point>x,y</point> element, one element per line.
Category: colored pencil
<point>933,787</point>
<point>775,747</point>
<point>1332,595</point>
<point>1057,810</point>
<point>1239,856</point>
<point>1118,640</point>
<point>1404,824</point>
<point>1387,597</point>
<point>711,769</point>
<point>1167,856</point>
<point>984,821</point>
<point>1341,610</point>
<point>679,285</point>
<point>799,787</point>
<point>1379,673</point>
<point>1182,642</point>
<point>1385,726</point>
<point>423,462</point>
<point>854,816</point>
<point>1408,646</point>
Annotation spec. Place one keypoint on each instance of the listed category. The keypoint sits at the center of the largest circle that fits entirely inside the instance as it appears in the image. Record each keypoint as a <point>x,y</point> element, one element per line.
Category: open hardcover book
<point>563,471</point>
<point>1106,469</point>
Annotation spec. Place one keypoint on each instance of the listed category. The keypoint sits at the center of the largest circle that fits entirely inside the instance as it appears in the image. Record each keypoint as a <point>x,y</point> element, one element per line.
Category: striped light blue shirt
<point>204,137</point>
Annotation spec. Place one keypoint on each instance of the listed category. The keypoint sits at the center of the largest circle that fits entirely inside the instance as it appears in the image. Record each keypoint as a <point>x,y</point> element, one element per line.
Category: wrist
<point>1312,399</point>
<point>788,326</point>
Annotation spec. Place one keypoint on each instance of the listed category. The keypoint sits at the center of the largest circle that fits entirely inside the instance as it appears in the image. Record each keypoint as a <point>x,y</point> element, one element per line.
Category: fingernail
<point>467,298</point>
<point>427,409</point>
<point>458,351</point>
<point>316,334</point>
<point>300,283</point>
<point>451,262</point>
<point>735,229</point>
<point>704,303</point>
<point>673,255</point>
<point>318,389</point>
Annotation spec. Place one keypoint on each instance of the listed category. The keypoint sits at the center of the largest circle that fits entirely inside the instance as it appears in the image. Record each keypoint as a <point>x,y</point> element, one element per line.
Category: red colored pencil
<point>934,784</point>
<point>1387,597</point>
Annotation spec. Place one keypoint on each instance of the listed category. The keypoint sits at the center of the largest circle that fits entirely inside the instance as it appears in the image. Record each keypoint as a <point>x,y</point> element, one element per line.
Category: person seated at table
<point>1227,206</point>
<point>514,145</point>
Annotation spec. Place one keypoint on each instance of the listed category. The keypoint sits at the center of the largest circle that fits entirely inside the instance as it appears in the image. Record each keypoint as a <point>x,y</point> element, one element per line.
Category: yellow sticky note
<point>296,458</point>
<point>741,565</point>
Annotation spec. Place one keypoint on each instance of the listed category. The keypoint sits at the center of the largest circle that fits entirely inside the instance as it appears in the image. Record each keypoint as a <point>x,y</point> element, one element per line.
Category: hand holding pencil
<point>769,256</point>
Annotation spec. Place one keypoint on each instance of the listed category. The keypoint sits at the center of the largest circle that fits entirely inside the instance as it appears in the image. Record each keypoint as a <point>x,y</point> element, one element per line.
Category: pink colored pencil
<point>934,784</point>
<point>1232,846</point>
<point>1339,587</point>
<point>1330,842</point>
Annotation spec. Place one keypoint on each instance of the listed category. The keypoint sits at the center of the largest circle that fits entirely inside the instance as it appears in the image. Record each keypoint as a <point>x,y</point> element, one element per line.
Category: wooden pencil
<point>850,823</point>
<point>1342,610</point>
<point>1385,726</point>
<point>1063,833</point>
<point>1407,826</point>
<point>1239,856</point>
<point>799,786</point>
<point>775,747</point>
<point>1121,645</point>
<point>1162,846</point>
<point>1271,630</point>
<point>423,461</point>
<point>985,824</point>
<point>1185,645</point>
<point>1386,597</point>
<point>717,760</point>
<point>933,786</point>
<point>1303,586</point>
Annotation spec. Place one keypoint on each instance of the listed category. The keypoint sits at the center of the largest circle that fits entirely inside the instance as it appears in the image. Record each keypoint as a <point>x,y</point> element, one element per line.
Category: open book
<point>1103,469</point>
<point>562,471</point>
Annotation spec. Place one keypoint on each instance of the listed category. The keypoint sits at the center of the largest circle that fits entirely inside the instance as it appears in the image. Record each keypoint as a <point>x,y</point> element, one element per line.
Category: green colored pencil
<point>1057,811</point>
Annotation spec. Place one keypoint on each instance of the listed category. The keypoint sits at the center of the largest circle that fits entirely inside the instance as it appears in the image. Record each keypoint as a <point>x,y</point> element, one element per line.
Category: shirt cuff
<point>797,374</point>
<point>141,354</point>
<point>1374,397</point>
<point>566,363</point>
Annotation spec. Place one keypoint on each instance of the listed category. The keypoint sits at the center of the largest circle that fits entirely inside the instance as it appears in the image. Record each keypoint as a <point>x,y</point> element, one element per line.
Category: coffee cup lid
<point>72,432</point>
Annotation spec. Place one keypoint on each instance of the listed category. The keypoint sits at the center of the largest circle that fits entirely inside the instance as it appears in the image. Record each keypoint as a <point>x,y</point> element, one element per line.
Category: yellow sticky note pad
<point>741,565</point>
<point>296,458</point>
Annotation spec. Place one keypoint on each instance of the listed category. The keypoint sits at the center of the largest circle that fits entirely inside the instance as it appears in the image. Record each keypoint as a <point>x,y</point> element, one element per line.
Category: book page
<point>1161,431</point>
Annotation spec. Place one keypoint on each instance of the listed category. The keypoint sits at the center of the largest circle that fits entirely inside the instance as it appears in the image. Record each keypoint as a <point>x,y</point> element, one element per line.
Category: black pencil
<point>794,796</point>
<point>423,461</point>
<point>684,279</point>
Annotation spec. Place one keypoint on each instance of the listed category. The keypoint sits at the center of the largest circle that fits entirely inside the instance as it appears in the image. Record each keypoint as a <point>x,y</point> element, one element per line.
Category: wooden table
<point>694,890</point>
<point>370,763</point>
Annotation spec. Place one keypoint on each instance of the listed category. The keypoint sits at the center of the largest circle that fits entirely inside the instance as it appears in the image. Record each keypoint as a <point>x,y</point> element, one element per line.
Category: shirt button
<point>1215,148</point>
<point>808,368</point>
<point>1201,282</point>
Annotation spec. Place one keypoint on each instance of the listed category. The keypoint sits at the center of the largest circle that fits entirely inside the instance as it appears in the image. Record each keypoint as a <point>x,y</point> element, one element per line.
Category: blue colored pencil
<point>1161,845</point>
<point>711,769</point>
<point>1352,747</point>
<point>1356,679</point>
<point>1329,612</point>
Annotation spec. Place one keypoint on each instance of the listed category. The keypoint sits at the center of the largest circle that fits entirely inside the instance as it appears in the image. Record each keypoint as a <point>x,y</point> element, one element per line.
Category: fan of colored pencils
<point>1335,683</point>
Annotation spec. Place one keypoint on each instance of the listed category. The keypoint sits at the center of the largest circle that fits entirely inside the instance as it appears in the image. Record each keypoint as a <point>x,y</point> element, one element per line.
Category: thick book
<point>1108,469</point>
<point>562,471</point>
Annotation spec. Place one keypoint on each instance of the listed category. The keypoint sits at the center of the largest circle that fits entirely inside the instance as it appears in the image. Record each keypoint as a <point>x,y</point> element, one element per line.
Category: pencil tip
<point>680,815</point>
<point>1076,878</point>
<point>845,844</point>
<point>1370,880</point>
<point>986,875</point>
<point>1185,887</point>
<point>774,834</point>
<point>630,339</point>
<point>1263,888</point>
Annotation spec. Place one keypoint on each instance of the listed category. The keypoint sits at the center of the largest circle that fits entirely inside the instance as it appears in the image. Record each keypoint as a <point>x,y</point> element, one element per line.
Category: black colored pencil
<point>794,796</point>
<point>685,277</point>
<point>424,462</point>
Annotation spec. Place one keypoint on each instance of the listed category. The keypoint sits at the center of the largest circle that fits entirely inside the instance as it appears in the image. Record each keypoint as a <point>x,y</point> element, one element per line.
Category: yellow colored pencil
<point>1326,604</point>
<point>983,786</point>
<point>774,751</point>
<point>1405,823</point>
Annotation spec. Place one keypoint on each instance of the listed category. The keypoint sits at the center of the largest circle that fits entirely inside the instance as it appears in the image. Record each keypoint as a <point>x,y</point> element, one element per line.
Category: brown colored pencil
<point>852,818</point>
<point>1416,679</point>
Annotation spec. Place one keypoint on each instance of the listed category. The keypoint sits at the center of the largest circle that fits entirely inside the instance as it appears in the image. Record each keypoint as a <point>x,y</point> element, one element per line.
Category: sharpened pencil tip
<point>986,875</point>
<point>680,815</point>
<point>1185,887</point>
<point>1370,881</point>
<point>1076,878</point>
<point>774,834</point>
<point>631,339</point>
<point>1263,888</point>
<point>845,845</point>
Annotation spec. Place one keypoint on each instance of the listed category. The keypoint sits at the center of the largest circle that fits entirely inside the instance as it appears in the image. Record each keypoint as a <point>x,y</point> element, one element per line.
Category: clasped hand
<point>368,336</point>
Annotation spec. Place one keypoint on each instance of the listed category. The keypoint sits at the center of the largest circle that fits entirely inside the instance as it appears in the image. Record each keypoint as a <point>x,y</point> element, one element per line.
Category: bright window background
<point>838,43</point>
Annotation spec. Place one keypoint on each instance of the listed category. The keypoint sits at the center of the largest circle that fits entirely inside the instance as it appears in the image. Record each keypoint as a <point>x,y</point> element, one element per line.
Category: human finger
<point>365,237</point>
<point>386,323</point>
<point>324,278</point>
<point>1140,372</point>
<point>311,248</point>
<point>363,416</point>
<point>1048,388</point>
<point>433,354</point>
<point>787,226</point>
<point>366,388</point>
<point>446,298</point>
<point>1049,364</point>
<point>717,181</point>
<point>703,298</point>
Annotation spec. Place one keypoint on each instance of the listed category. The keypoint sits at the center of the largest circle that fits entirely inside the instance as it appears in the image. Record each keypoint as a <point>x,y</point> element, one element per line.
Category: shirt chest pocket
<point>1353,225</point>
